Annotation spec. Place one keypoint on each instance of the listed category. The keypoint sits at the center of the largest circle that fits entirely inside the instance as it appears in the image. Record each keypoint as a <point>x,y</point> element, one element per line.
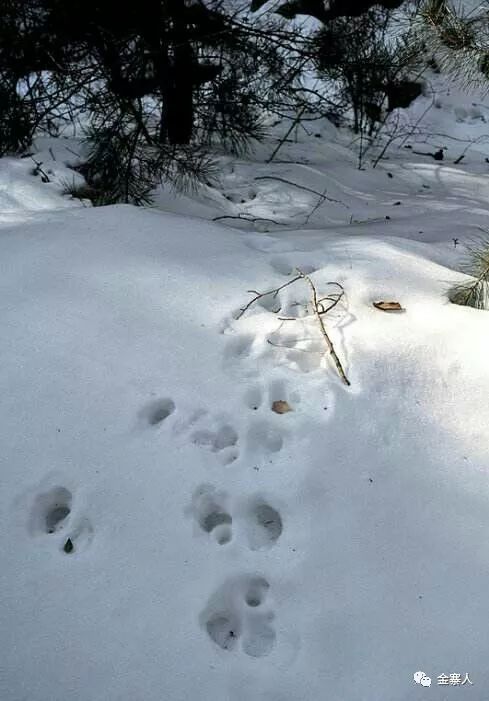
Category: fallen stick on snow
<point>301,187</point>
<point>319,309</point>
<point>259,295</point>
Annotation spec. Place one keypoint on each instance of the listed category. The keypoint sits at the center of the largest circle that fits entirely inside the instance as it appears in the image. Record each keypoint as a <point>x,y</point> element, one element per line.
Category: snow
<point>219,550</point>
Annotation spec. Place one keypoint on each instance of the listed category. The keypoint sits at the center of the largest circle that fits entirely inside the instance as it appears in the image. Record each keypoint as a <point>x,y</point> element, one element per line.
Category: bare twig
<point>301,187</point>
<point>259,295</point>
<point>294,348</point>
<point>319,311</point>
<point>73,152</point>
<point>252,220</point>
<point>316,206</point>
<point>287,134</point>
<point>44,176</point>
<point>419,120</point>
<point>333,298</point>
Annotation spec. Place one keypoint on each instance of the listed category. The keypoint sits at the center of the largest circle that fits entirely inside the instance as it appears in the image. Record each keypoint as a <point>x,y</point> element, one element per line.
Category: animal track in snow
<point>224,629</point>
<point>307,359</point>
<point>157,411</point>
<point>277,391</point>
<point>256,591</point>
<point>209,509</point>
<point>212,433</point>
<point>300,354</point>
<point>263,524</point>
<point>237,616</point>
<point>52,515</point>
<point>263,437</point>
<point>224,437</point>
<point>260,637</point>
<point>253,398</point>
<point>184,424</point>
<point>270,302</point>
<point>222,441</point>
<point>51,510</point>
<point>269,244</point>
<point>240,196</point>
<point>283,266</point>
<point>238,347</point>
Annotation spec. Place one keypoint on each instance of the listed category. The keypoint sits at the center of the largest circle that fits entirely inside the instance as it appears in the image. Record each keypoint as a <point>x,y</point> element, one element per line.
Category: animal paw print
<point>263,524</point>
<point>263,439</point>
<point>213,434</point>
<point>221,441</point>
<point>212,512</point>
<point>277,394</point>
<point>157,411</point>
<point>209,508</point>
<point>238,616</point>
<point>239,347</point>
<point>288,267</point>
<point>302,353</point>
<point>52,516</point>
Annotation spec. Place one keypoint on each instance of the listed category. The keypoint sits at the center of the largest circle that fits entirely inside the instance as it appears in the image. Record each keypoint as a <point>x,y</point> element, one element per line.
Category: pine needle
<point>475,291</point>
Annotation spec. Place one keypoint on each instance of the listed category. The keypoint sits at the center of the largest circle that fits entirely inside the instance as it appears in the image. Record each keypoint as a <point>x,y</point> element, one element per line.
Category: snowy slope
<point>165,534</point>
<point>134,399</point>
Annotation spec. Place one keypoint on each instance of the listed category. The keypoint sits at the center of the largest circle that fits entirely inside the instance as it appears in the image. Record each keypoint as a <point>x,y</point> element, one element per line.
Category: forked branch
<point>259,295</point>
<point>319,310</point>
<point>320,307</point>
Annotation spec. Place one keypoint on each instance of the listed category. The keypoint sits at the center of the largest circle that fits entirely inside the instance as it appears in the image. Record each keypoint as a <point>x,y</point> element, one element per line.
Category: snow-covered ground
<point>166,534</point>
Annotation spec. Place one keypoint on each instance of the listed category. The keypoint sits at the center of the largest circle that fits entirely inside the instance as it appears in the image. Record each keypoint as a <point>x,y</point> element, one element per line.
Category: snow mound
<point>167,534</point>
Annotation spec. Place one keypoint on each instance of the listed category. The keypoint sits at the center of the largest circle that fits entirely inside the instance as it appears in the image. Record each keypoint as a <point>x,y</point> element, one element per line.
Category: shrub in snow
<point>475,291</point>
<point>458,35</point>
<point>369,64</point>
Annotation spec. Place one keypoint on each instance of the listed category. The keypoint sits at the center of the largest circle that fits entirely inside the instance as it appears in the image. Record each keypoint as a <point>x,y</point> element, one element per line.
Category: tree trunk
<point>177,83</point>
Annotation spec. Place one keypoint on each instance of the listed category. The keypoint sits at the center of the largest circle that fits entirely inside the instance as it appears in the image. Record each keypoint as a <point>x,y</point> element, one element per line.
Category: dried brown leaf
<point>280,406</point>
<point>389,306</point>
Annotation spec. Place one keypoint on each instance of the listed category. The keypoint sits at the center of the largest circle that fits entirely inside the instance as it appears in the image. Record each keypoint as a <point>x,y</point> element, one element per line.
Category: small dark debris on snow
<point>389,175</point>
<point>396,203</point>
<point>437,155</point>
<point>68,546</point>
<point>387,216</point>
